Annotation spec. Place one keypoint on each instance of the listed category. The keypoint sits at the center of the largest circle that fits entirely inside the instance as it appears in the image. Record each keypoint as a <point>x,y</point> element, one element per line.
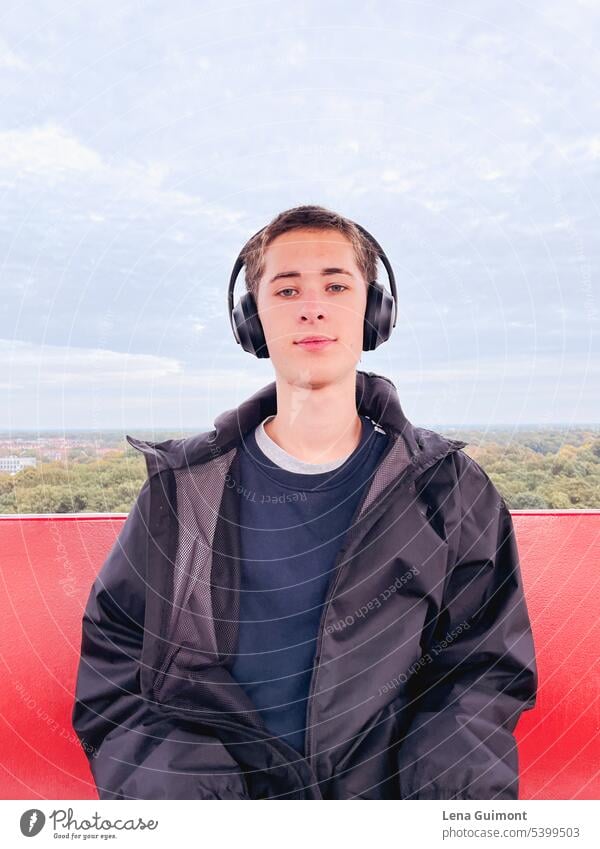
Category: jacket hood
<point>376,398</point>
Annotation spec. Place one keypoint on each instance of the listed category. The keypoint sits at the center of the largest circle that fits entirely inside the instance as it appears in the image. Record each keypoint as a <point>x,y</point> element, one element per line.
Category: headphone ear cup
<point>247,326</point>
<point>380,313</point>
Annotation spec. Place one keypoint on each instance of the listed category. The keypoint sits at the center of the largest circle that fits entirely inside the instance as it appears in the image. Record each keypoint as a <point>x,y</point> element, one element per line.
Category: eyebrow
<point>324,273</point>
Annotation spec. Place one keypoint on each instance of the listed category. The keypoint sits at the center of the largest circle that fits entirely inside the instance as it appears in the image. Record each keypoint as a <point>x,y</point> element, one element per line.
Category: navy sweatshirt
<point>292,524</point>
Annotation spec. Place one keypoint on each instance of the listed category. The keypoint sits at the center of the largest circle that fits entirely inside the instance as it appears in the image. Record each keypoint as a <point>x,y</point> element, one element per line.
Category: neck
<point>316,424</point>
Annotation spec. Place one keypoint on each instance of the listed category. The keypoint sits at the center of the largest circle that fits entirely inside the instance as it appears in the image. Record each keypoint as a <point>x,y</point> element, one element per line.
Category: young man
<point>316,599</point>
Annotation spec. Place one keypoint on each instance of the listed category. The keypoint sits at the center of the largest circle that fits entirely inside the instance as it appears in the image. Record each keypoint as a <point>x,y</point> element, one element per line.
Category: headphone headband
<point>239,264</point>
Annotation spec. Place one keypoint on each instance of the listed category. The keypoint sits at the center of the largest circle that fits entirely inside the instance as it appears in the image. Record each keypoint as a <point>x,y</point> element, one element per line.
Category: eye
<point>341,287</point>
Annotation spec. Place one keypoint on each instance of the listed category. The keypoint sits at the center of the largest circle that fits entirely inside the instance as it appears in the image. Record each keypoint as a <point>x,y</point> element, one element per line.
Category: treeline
<point>109,485</point>
<point>568,478</point>
<point>533,470</point>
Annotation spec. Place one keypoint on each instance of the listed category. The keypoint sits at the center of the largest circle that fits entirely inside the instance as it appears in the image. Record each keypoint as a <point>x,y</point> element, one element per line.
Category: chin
<point>316,375</point>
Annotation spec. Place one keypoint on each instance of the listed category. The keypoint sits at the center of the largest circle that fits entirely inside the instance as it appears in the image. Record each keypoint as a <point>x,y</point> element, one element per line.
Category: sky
<point>142,144</point>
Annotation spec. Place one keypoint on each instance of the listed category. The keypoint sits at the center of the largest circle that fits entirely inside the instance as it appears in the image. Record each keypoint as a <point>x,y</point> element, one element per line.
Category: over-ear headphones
<point>380,312</point>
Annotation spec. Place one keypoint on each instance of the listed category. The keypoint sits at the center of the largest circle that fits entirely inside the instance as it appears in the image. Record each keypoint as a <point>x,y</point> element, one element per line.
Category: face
<point>312,287</point>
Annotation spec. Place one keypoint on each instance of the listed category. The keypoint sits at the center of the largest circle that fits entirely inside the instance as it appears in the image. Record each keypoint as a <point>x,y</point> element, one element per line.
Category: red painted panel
<point>559,740</point>
<point>47,569</point>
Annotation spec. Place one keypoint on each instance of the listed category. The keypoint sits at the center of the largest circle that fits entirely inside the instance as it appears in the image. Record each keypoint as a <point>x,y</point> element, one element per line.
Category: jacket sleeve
<point>478,672</point>
<point>133,749</point>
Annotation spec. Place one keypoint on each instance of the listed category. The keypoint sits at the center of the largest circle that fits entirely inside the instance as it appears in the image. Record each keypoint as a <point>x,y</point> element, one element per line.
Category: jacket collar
<point>376,397</point>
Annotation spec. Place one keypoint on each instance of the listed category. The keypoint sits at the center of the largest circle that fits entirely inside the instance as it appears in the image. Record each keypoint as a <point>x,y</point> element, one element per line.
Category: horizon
<point>453,426</point>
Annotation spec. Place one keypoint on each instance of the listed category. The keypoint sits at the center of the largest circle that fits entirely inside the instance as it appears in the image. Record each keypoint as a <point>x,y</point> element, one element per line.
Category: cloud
<point>72,387</point>
<point>36,365</point>
<point>10,60</point>
<point>49,154</point>
<point>512,367</point>
<point>585,148</point>
<point>33,367</point>
<point>46,149</point>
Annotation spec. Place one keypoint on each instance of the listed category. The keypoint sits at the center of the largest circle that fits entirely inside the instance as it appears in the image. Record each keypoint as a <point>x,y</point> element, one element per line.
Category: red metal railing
<point>48,565</point>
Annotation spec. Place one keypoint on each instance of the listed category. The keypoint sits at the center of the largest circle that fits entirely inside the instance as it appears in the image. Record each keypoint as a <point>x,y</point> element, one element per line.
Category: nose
<point>311,310</point>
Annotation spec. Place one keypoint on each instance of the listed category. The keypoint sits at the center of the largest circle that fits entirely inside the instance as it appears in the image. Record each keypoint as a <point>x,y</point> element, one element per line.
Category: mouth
<point>314,343</point>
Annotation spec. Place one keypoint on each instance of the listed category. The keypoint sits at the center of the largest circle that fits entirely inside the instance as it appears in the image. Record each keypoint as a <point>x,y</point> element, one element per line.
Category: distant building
<point>12,465</point>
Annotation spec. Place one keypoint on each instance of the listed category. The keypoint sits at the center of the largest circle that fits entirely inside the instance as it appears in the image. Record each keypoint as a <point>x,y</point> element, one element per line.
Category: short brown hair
<point>312,218</point>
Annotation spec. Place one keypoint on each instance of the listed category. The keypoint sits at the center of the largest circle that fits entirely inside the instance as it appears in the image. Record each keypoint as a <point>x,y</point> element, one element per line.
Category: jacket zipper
<point>405,477</point>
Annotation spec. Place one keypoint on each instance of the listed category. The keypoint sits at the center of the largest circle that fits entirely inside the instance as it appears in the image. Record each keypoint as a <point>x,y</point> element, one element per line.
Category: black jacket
<point>425,658</point>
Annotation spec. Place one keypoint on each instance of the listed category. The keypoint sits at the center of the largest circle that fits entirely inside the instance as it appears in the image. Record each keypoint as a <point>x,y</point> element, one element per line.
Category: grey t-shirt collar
<point>286,461</point>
